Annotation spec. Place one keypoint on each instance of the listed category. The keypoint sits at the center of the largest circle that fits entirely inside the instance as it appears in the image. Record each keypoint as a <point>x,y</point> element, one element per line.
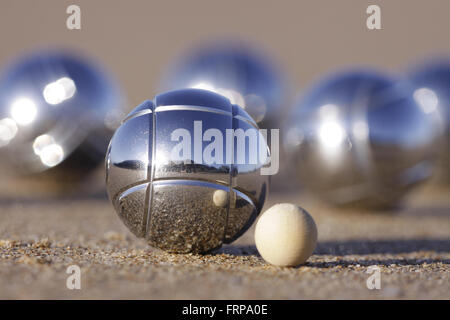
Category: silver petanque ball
<point>58,112</point>
<point>431,83</point>
<point>240,73</point>
<point>360,138</point>
<point>177,179</point>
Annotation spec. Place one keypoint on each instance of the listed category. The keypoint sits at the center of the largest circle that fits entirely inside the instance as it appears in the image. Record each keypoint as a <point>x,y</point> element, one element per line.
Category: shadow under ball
<point>58,112</point>
<point>190,205</point>
<point>431,83</point>
<point>240,73</point>
<point>360,138</point>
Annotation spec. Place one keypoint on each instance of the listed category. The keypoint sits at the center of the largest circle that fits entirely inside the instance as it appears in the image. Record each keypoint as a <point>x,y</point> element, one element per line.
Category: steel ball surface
<point>360,138</point>
<point>175,200</point>
<point>241,73</point>
<point>431,83</point>
<point>58,111</point>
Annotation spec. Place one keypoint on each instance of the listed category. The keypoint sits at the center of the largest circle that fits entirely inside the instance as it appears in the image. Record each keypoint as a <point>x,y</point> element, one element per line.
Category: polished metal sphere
<point>240,73</point>
<point>178,199</point>
<point>58,112</point>
<point>360,138</point>
<point>431,83</point>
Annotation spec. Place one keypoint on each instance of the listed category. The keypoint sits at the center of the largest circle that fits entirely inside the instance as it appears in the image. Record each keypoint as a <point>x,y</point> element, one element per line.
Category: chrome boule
<point>179,199</point>
<point>240,73</point>
<point>431,84</point>
<point>58,112</point>
<point>360,138</point>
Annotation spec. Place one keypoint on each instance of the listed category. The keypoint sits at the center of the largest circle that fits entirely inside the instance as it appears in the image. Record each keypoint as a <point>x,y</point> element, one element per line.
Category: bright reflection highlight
<point>331,134</point>
<point>161,158</point>
<point>234,96</point>
<point>41,142</point>
<point>59,91</point>
<point>50,152</point>
<point>52,155</point>
<point>427,99</point>
<point>23,111</point>
<point>203,86</point>
<point>8,130</point>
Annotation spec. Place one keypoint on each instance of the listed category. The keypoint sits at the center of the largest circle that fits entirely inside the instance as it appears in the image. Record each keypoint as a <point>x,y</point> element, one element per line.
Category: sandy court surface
<point>40,239</point>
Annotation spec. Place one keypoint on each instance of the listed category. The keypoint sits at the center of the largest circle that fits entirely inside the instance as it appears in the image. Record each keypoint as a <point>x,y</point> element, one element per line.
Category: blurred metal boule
<point>182,202</point>
<point>359,138</point>
<point>241,73</point>
<point>431,83</point>
<point>58,112</point>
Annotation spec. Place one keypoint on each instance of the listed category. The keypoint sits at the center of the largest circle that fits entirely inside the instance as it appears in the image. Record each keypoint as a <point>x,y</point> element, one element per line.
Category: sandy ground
<point>39,239</point>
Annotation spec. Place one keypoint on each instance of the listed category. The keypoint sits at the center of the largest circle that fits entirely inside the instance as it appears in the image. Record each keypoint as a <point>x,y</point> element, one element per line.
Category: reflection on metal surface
<point>49,152</point>
<point>239,73</point>
<point>23,111</point>
<point>361,138</point>
<point>331,134</point>
<point>8,130</point>
<point>59,91</point>
<point>431,82</point>
<point>360,130</point>
<point>52,155</point>
<point>56,107</point>
<point>41,142</point>
<point>182,205</point>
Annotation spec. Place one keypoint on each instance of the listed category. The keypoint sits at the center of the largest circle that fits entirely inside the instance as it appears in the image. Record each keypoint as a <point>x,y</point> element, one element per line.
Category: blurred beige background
<point>137,39</point>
